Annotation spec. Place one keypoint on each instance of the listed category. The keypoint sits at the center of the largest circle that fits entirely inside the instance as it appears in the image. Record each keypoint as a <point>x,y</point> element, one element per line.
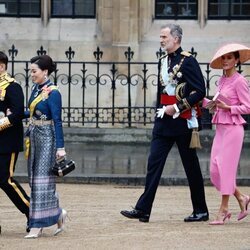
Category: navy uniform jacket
<point>193,92</point>
<point>11,138</point>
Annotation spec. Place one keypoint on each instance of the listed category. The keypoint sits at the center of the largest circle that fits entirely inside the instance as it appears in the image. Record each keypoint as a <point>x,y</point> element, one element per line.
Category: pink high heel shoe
<point>244,213</point>
<point>221,219</point>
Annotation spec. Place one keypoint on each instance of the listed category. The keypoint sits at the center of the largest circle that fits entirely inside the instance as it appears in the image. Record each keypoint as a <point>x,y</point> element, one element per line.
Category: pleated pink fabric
<point>228,140</point>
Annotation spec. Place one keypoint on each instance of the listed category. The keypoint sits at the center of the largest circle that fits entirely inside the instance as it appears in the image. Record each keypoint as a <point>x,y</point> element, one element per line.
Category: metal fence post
<point>69,54</point>
<point>98,55</point>
<point>13,53</point>
<point>129,55</point>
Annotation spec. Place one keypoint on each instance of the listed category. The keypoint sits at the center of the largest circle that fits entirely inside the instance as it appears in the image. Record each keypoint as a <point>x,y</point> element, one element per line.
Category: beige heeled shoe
<point>61,222</point>
<point>34,233</point>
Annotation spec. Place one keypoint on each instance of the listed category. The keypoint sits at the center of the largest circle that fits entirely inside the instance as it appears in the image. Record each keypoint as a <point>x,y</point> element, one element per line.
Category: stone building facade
<point>117,25</point>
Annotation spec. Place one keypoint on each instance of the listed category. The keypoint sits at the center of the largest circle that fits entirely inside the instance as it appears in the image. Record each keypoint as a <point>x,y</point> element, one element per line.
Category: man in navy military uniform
<point>180,88</point>
<point>11,136</point>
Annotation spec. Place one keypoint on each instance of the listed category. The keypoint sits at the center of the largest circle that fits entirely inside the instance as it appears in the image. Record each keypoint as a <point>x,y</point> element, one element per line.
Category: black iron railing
<point>107,94</point>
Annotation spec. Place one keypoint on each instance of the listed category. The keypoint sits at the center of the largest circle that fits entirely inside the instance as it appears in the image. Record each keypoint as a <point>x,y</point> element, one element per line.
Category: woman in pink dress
<point>229,134</point>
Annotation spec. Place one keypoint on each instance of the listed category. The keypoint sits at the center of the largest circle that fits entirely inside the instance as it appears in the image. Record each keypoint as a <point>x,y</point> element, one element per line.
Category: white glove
<point>160,112</point>
<point>8,112</point>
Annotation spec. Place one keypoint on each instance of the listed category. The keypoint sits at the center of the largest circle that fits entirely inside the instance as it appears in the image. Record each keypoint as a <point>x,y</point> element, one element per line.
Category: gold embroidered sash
<point>32,106</point>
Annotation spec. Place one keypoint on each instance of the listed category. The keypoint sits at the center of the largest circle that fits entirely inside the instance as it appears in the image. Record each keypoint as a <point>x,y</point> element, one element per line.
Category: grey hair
<point>175,30</point>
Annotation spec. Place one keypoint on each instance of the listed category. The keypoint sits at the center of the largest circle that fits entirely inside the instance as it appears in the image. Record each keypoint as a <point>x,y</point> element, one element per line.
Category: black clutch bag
<point>63,167</point>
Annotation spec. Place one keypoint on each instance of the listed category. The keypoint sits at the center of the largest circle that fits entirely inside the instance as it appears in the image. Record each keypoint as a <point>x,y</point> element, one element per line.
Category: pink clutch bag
<point>209,104</point>
<point>219,97</point>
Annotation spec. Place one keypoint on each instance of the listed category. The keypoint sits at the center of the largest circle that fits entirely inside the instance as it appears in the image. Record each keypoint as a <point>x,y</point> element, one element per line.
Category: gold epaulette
<point>5,78</point>
<point>9,79</point>
<point>185,53</point>
<point>4,123</point>
<point>5,81</point>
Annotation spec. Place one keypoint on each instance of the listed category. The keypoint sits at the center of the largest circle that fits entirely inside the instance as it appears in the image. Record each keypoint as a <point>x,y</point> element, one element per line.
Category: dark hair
<point>4,59</point>
<point>44,62</point>
<point>237,56</point>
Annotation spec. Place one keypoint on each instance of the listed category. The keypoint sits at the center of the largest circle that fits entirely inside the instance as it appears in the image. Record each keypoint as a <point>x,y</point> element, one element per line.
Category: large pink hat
<point>232,47</point>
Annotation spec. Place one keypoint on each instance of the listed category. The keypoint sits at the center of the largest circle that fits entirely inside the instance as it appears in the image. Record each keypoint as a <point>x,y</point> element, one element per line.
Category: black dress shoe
<point>136,214</point>
<point>197,217</point>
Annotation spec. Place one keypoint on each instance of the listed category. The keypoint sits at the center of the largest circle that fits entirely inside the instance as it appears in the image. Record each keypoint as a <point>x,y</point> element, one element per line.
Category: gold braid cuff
<point>4,123</point>
<point>186,104</point>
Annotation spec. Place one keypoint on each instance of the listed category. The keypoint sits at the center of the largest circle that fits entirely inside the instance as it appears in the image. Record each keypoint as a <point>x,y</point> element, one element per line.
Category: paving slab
<point>95,221</point>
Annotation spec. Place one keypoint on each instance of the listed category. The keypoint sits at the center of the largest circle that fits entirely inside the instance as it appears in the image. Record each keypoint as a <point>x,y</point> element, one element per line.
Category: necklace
<point>37,91</point>
<point>39,87</point>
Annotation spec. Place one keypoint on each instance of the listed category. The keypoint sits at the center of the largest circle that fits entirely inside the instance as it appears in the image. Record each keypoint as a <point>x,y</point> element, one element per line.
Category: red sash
<point>171,99</point>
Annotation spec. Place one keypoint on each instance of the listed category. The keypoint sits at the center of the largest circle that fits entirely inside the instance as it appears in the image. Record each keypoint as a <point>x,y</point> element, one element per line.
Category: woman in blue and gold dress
<point>45,144</point>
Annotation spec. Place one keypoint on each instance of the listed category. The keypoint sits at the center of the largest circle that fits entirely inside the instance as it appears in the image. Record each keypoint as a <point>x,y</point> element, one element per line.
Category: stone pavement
<point>95,221</point>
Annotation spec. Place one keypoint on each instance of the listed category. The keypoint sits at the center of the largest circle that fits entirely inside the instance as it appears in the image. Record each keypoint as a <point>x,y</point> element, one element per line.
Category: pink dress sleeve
<point>243,92</point>
<point>237,90</point>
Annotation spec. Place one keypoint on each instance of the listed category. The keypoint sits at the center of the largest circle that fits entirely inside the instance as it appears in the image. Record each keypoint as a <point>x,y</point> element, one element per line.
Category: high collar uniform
<point>193,91</point>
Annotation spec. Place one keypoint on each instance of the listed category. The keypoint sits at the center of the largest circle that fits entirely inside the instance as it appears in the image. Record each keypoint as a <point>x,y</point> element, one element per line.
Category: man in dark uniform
<point>180,88</point>
<point>11,136</point>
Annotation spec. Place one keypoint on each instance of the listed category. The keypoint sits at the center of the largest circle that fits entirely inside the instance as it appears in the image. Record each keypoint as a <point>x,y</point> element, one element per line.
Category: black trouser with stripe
<point>10,186</point>
<point>160,147</point>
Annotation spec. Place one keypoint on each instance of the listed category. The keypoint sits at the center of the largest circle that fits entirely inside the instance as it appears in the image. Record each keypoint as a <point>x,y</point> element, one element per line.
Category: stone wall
<point>130,135</point>
<point>118,24</point>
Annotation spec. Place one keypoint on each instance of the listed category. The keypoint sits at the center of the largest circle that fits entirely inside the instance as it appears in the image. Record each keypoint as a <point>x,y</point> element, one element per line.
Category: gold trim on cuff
<point>185,102</point>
